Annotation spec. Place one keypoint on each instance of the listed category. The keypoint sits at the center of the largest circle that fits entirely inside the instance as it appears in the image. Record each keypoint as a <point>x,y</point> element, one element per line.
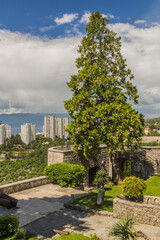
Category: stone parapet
<point>151,200</point>
<point>143,213</point>
<point>23,185</point>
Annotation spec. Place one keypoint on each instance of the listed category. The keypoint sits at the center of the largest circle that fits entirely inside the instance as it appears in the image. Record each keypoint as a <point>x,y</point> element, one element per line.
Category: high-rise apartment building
<point>5,132</point>
<point>65,124</point>
<point>55,127</point>
<point>28,132</point>
<point>50,127</point>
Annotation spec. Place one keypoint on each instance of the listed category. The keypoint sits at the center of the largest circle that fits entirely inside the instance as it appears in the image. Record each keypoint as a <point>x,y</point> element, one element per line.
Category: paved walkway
<point>40,210</point>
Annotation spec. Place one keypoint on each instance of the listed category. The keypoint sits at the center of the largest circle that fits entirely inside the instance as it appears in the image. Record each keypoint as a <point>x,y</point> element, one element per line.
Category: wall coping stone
<point>24,184</point>
<point>57,149</point>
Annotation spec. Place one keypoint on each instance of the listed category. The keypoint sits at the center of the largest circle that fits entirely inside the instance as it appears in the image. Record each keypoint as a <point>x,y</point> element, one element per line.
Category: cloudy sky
<point>38,47</point>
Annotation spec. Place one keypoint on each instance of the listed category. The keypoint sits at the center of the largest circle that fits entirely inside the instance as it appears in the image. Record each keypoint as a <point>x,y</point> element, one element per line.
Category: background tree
<point>102,93</point>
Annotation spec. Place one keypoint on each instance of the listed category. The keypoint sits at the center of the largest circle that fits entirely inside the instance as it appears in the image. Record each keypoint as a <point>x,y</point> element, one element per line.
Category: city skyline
<point>38,48</point>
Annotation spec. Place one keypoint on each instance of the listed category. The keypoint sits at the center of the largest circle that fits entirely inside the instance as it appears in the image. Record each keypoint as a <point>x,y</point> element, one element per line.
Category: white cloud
<point>67,18</point>
<point>108,15</point>
<point>46,28</point>
<point>34,72</point>
<point>141,48</point>
<point>140,21</point>
<point>85,17</point>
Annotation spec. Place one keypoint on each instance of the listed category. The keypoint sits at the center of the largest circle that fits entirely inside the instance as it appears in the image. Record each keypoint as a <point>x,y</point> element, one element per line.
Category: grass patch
<point>153,186</point>
<point>13,237</point>
<point>71,236</point>
<point>91,199</point>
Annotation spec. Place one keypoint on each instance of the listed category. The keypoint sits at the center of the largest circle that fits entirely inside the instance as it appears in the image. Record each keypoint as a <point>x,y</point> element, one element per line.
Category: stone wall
<point>142,213</point>
<point>145,161</point>
<point>101,161</point>
<point>23,185</point>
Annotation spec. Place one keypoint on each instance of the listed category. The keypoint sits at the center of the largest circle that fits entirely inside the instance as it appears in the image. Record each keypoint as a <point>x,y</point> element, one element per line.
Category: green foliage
<point>153,143</point>
<point>21,234</point>
<point>123,230</point>
<point>102,91</point>
<point>8,225</point>
<point>127,167</point>
<point>72,236</point>
<point>94,237</point>
<point>29,163</point>
<point>101,179</point>
<point>133,188</point>
<point>65,174</point>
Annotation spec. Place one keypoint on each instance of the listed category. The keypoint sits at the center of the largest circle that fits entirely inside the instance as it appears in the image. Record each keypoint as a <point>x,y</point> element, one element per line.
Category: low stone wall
<point>143,213</point>
<point>23,185</point>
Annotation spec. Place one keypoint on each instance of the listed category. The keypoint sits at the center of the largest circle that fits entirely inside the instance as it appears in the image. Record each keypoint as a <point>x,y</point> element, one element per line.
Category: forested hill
<point>152,120</point>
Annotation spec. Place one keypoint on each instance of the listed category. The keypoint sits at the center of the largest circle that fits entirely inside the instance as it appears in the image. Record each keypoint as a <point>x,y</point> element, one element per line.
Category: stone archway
<point>92,174</point>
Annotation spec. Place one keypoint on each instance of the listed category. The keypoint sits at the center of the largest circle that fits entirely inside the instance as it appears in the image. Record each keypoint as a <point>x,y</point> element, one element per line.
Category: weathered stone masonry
<point>101,161</point>
<point>143,213</point>
<point>145,162</point>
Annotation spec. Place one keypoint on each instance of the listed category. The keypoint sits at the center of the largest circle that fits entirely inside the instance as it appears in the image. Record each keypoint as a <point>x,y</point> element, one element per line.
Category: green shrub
<point>21,234</point>
<point>94,237</point>
<point>110,184</point>
<point>123,230</point>
<point>8,225</point>
<point>133,188</point>
<point>101,179</point>
<point>65,174</point>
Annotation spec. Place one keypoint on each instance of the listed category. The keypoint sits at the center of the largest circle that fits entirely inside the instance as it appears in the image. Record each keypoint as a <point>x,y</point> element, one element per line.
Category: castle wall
<point>145,162</point>
<point>101,161</point>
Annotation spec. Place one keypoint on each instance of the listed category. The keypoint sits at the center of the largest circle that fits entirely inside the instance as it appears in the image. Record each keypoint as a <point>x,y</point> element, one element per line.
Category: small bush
<point>65,174</point>
<point>133,188</point>
<point>8,225</point>
<point>123,230</point>
<point>101,179</point>
<point>94,237</point>
<point>21,234</point>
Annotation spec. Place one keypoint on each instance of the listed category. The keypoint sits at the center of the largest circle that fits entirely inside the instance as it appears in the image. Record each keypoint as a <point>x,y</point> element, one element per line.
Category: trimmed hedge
<point>65,174</point>
<point>8,225</point>
<point>133,188</point>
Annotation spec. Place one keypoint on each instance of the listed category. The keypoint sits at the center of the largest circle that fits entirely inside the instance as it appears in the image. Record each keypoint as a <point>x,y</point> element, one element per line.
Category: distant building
<point>28,132</point>
<point>5,132</point>
<point>55,127</point>
<point>147,130</point>
<point>65,124</point>
<point>49,127</point>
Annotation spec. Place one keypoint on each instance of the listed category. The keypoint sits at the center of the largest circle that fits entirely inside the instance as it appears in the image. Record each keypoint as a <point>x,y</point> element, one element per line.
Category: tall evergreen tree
<point>102,94</point>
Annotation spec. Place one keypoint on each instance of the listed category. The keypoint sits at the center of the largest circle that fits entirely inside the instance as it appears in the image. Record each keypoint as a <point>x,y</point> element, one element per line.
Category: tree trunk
<point>117,168</point>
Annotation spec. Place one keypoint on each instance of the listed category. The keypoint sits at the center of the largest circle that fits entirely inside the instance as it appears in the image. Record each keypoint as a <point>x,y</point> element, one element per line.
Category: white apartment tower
<point>59,127</point>
<point>5,132</point>
<point>55,127</point>
<point>28,132</point>
<point>65,124</point>
<point>50,127</point>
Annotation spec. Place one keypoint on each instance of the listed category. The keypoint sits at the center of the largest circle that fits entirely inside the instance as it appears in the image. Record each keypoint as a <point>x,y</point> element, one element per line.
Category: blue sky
<point>38,47</point>
<point>30,16</point>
